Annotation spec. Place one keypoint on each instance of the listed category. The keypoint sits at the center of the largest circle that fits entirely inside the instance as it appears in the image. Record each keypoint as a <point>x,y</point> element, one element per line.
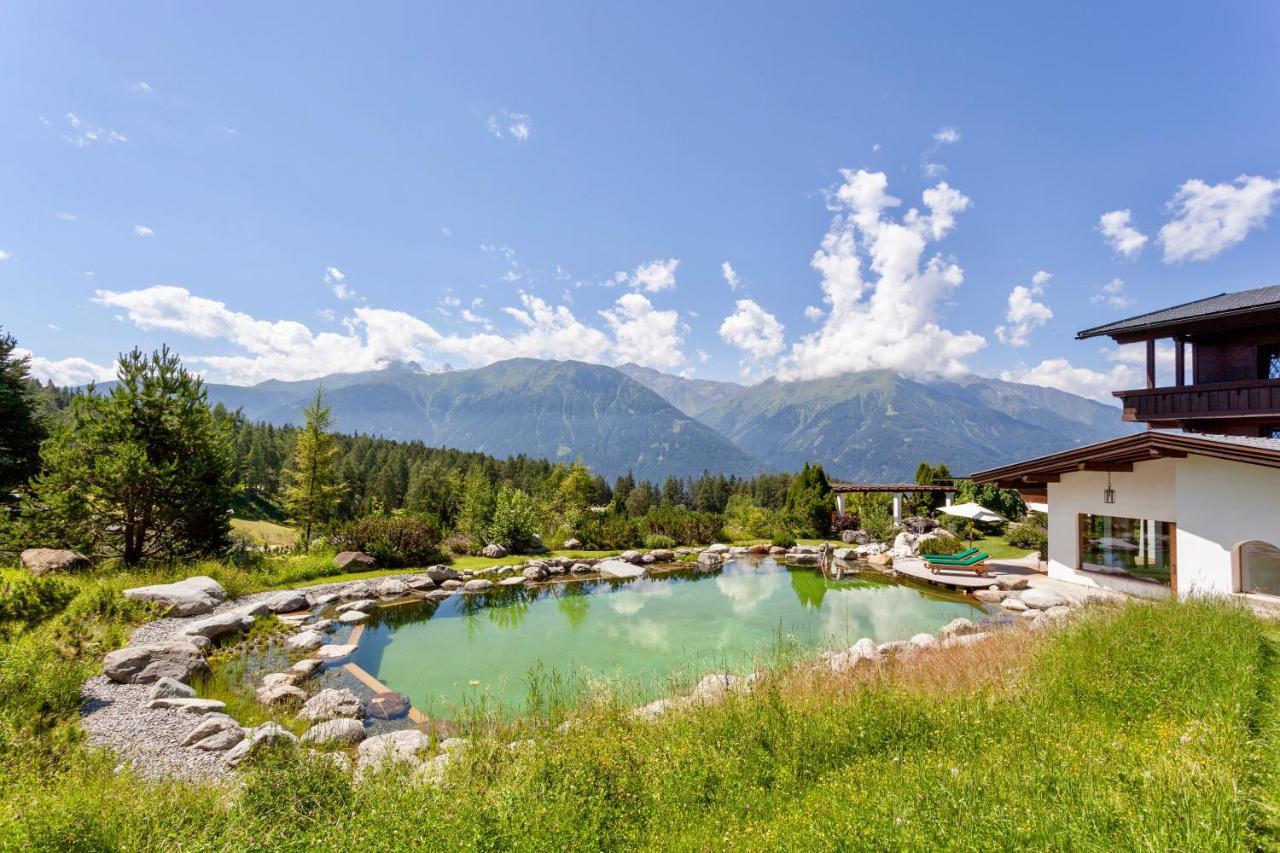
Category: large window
<point>1259,568</point>
<point>1137,548</point>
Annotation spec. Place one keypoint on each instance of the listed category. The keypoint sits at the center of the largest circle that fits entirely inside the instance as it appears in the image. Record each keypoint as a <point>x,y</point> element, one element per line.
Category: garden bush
<point>27,601</point>
<point>941,545</point>
<point>609,531</point>
<point>515,521</point>
<point>657,540</point>
<point>683,525</point>
<point>1032,535</point>
<point>783,539</point>
<point>395,541</point>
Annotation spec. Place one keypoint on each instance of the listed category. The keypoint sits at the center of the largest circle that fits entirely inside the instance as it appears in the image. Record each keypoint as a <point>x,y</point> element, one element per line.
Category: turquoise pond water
<point>651,635</point>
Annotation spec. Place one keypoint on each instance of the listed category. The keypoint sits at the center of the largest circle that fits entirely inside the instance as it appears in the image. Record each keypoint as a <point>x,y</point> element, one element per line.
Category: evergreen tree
<point>144,471</point>
<point>20,428</point>
<point>515,521</point>
<point>477,505</point>
<point>809,503</point>
<point>314,489</point>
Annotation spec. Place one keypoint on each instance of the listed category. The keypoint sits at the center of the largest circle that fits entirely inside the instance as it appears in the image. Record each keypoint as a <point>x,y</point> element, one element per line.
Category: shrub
<point>515,521</point>
<point>941,545</point>
<point>657,540</point>
<point>809,502</point>
<point>783,539</point>
<point>745,519</point>
<point>395,541</point>
<point>460,544</point>
<point>607,532</point>
<point>878,522</point>
<point>683,525</point>
<point>29,601</point>
<point>1029,535</point>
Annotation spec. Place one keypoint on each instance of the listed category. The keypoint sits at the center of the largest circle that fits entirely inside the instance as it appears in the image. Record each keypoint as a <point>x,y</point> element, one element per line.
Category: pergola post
<point>1180,362</point>
<point>948,499</point>
<point>897,508</point>
<point>1151,363</point>
<point>839,504</point>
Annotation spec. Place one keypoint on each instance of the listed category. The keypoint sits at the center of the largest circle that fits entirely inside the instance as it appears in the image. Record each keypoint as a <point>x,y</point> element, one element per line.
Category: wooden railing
<point>1243,398</point>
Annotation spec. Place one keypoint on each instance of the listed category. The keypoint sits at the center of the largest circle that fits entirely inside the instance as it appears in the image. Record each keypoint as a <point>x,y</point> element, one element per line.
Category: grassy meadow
<point>1137,727</point>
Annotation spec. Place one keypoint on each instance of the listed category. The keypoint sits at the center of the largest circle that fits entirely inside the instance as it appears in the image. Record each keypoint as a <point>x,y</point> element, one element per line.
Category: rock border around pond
<point>143,707</point>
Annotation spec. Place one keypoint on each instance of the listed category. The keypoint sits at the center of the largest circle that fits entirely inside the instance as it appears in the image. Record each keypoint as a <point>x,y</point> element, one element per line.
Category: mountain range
<point>873,425</point>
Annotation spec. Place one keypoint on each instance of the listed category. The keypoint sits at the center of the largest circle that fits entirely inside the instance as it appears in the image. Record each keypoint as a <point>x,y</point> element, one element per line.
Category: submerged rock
<point>619,569</point>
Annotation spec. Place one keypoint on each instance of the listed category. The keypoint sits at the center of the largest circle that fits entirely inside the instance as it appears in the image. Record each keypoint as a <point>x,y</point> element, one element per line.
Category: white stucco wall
<point>1149,491</point>
<point>1215,504</point>
<point>1221,504</point>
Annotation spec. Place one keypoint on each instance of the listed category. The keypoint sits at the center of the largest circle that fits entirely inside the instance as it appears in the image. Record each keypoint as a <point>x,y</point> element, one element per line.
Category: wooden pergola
<point>898,490</point>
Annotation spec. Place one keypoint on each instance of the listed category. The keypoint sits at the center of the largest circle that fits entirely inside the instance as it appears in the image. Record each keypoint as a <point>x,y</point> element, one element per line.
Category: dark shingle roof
<point>1222,304</point>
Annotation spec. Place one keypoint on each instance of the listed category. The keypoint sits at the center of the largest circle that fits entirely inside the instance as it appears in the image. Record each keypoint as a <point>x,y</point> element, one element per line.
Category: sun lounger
<point>977,562</point>
<point>947,558</point>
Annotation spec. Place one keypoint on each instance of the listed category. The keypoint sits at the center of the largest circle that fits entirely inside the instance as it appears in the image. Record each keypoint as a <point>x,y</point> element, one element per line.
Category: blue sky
<point>294,189</point>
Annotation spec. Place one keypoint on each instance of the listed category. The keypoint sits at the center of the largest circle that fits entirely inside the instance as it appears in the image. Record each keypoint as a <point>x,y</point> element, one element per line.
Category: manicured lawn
<point>266,532</point>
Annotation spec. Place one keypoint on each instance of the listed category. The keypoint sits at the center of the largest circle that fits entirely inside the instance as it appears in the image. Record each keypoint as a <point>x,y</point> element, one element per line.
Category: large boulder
<point>194,596</point>
<point>572,544</point>
<point>335,651</point>
<point>882,560</point>
<point>364,605</point>
<point>265,735</point>
<point>906,545</point>
<point>305,641</point>
<point>855,537</point>
<point>332,703</point>
<point>618,569</point>
<point>663,555</point>
<point>351,617</point>
<point>290,601</point>
<point>219,625</point>
<point>392,588</point>
<point>403,747</point>
<point>477,585</point>
<point>494,550</point>
<point>958,627</point>
<point>354,561</point>
<point>1039,598</point>
<point>148,663</point>
<point>212,724</point>
<point>341,731</point>
<point>919,524</point>
<point>42,561</point>
<point>534,573</point>
<point>440,574</point>
<point>191,706</point>
<point>717,548</point>
<point>170,688</point>
<point>281,694</point>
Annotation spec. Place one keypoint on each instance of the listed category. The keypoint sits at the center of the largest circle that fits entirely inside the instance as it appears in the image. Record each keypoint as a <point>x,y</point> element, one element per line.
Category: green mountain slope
<point>691,396</point>
<point>552,409</point>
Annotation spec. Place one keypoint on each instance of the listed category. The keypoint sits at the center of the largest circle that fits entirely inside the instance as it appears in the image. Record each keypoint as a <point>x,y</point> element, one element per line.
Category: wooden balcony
<point>1245,399</point>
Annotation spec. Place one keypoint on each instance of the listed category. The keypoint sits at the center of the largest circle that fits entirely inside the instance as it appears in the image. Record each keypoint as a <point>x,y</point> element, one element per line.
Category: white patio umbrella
<point>974,511</point>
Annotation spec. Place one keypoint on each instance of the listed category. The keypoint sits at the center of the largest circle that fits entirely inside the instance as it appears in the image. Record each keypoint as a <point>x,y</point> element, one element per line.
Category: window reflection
<point>1137,548</point>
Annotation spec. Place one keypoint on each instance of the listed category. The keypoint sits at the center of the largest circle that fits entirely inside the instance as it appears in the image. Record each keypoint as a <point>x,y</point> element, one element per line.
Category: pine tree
<point>477,504</point>
<point>314,489</point>
<point>20,428</point>
<point>144,471</point>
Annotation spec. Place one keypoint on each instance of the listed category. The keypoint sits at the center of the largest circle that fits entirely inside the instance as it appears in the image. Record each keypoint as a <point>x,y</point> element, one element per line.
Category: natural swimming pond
<point>649,633</point>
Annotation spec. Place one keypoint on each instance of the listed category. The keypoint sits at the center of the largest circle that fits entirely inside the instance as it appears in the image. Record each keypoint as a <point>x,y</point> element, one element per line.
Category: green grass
<point>266,532</point>
<point>1151,726</point>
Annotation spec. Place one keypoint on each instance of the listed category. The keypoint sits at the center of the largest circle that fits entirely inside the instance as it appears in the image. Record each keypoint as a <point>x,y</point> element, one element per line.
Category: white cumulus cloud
<point>143,231</point>
<point>1211,218</point>
<point>1122,237</point>
<point>1025,314</point>
<point>66,371</point>
<point>888,317</point>
<point>509,125</point>
<point>753,330</point>
<point>651,277</point>
<point>644,334</point>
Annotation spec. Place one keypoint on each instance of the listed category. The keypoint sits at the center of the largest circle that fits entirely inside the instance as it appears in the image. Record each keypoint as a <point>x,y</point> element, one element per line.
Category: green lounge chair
<point>947,558</point>
<point>977,562</point>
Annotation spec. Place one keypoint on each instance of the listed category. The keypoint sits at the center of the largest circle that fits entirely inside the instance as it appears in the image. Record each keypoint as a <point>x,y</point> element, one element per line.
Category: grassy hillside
<point>1149,726</point>
<point>266,532</point>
